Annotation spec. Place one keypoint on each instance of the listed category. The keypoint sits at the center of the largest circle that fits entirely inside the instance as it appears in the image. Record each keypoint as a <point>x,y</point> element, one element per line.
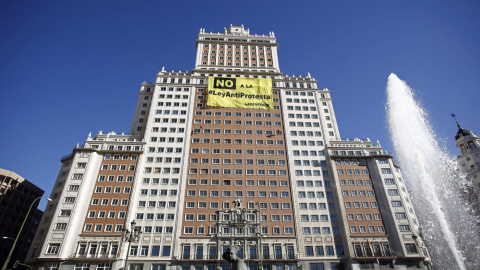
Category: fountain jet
<point>435,182</point>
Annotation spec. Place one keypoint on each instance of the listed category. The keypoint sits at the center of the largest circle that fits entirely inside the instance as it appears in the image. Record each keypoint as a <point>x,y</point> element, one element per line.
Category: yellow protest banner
<point>252,93</point>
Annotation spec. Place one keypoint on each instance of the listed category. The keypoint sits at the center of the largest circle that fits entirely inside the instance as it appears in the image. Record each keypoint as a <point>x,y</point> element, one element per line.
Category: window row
<point>152,216</point>
<point>154,251</point>
<point>222,57</point>
<point>158,192</point>
<point>165,139</point>
<point>123,156</point>
<point>114,167</point>
<point>228,151</point>
<point>359,182</point>
<point>238,193</point>
<point>301,108</point>
<point>314,218</point>
<point>236,64</point>
<point>350,161</point>
<point>94,249</point>
<point>305,124</point>
<point>238,161</point>
<point>114,202</point>
<point>163,181</point>
<point>303,100</point>
<point>165,150</point>
<point>321,251</point>
<point>313,194</point>
<point>276,230</point>
<point>305,143</point>
<point>317,230</point>
<point>355,193</point>
<point>237,122</point>
<point>177,89</point>
<point>307,153</point>
<point>168,120</point>
<point>103,227</point>
<point>352,171</point>
<point>171,112</point>
<point>118,190</point>
<point>105,214</point>
<point>165,160</point>
<point>239,182</point>
<point>350,153</point>
<point>303,116</point>
<point>309,183</point>
<point>238,172</point>
<point>315,163</point>
<point>363,229</point>
<point>236,114</point>
<point>362,216</point>
<point>161,170</point>
<point>305,133</point>
<point>112,178</point>
<point>159,204</point>
<point>361,204</point>
<point>301,93</point>
<point>311,173</point>
<point>118,157</point>
<point>170,130</point>
<point>169,104</point>
<point>268,133</point>
<point>313,206</point>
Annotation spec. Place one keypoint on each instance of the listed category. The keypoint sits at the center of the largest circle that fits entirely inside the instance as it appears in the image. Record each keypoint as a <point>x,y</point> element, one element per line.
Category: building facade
<point>17,197</point>
<point>469,161</point>
<point>273,184</point>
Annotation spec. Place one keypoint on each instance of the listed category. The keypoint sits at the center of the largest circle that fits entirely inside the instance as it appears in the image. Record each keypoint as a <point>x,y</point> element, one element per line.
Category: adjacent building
<point>17,197</point>
<point>469,160</point>
<point>278,185</point>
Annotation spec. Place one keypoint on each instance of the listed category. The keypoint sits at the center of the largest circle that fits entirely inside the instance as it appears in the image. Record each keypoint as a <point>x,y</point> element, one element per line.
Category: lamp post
<point>259,234</point>
<point>20,232</point>
<point>132,235</point>
<point>17,263</point>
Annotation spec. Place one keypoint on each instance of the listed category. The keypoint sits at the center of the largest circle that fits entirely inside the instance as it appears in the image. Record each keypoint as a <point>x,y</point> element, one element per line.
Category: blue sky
<point>68,68</point>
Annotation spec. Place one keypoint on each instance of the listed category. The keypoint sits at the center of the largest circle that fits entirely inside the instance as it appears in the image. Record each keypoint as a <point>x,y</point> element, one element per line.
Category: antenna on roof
<point>454,117</point>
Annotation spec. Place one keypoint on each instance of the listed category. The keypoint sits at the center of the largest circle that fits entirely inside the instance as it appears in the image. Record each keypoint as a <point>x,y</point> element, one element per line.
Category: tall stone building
<point>17,197</point>
<point>278,185</point>
<point>469,144</point>
<point>469,160</point>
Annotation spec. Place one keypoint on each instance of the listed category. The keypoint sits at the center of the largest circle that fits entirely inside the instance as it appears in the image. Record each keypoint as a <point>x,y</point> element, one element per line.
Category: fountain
<point>435,183</point>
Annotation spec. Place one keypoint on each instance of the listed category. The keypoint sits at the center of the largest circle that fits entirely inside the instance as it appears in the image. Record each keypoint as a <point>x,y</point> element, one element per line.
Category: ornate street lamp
<point>132,235</point>
<point>20,232</point>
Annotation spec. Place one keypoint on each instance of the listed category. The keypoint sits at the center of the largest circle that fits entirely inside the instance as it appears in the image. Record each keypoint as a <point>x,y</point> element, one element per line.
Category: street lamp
<point>6,237</point>
<point>19,263</point>
<point>132,235</point>
<point>20,232</point>
<point>259,234</point>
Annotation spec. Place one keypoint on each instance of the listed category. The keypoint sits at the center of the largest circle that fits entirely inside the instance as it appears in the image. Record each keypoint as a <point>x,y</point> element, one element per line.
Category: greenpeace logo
<point>225,83</point>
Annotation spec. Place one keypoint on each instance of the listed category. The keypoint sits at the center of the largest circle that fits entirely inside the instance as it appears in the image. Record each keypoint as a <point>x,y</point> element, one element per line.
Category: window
<point>396,203</point>
<point>77,176</point>
<point>53,249</point>
<point>392,192</point>
<point>309,251</point>
<point>411,248</point>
